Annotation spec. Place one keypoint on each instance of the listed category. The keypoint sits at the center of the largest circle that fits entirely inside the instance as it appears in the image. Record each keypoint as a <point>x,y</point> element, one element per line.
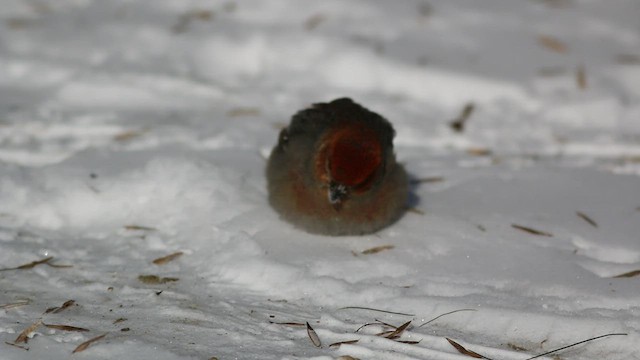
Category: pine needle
<point>445,314</point>
<point>288,323</point>
<point>458,123</point>
<point>30,265</point>
<point>581,77</point>
<point>531,230</point>
<point>85,345</point>
<point>347,342</point>
<point>461,349</point>
<point>165,259</point>
<point>377,249</point>
<point>155,279</point>
<point>552,44</point>
<point>134,227</point>
<point>18,346</point>
<point>575,344</point>
<point>65,327</point>
<point>61,308</point>
<point>584,217</point>
<point>372,309</point>
<point>14,305</point>
<point>628,274</point>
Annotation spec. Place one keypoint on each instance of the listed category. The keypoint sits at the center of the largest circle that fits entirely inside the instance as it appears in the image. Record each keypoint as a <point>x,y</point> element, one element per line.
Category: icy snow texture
<point>160,114</point>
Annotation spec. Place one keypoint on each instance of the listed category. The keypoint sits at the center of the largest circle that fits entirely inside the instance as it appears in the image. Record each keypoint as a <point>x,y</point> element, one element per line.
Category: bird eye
<point>283,138</point>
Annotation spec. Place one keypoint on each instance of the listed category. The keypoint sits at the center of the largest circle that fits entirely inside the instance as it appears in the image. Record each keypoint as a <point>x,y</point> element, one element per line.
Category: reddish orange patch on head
<point>354,155</point>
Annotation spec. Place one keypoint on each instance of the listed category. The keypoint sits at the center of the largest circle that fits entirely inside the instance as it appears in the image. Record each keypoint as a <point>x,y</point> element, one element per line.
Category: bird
<point>333,171</point>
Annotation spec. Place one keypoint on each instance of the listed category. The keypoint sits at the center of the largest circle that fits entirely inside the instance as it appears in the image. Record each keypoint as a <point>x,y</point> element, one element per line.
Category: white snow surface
<point>130,130</point>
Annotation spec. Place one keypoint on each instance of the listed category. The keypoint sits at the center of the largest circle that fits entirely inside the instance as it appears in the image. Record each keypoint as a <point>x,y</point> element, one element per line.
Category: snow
<point>132,130</point>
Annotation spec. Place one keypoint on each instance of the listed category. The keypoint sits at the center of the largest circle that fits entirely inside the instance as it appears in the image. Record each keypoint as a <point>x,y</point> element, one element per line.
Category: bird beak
<point>337,193</point>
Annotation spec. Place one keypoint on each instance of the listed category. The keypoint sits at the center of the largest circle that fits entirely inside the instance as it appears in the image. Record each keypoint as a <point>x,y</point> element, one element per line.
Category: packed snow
<point>135,130</point>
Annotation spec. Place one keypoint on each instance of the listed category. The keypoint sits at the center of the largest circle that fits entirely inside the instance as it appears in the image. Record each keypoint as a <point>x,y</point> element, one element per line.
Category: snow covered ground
<point>131,130</point>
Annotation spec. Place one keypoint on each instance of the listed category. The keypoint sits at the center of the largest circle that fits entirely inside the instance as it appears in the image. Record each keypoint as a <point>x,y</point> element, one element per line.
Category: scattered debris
<point>410,342</point>
<point>458,123</point>
<point>155,279</point>
<point>283,301</point>
<point>516,347</point>
<point>377,249</point>
<point>14,305</point>
<point>313,336</point>
<point>24,335</point>
<point>186,19</point>
<point>119,320</point>
<point>553,44</point>
<point>125,329</point>
<point>61,308</point>
<point>85,345</point>
<point>581,77</point>
<point>165,259</point>
<point>30,265</point>
<point>531,231</point>
<point>476,151</point>
<point>287,323</point>
<point>65,327</point>
<point>628,274</point>
<point>584,217</point>
<point>464,351</point>
<point>474,354</point>
<point>369,324</point>
<point>58,266</point>
<point>346,357</point>
<point>139,227</point>
<point>128,135</point>
<point>314,21</point>
<point>347,342</point>
<point>398,331</point>
<point>16,345</point>
<point>578,343</point>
